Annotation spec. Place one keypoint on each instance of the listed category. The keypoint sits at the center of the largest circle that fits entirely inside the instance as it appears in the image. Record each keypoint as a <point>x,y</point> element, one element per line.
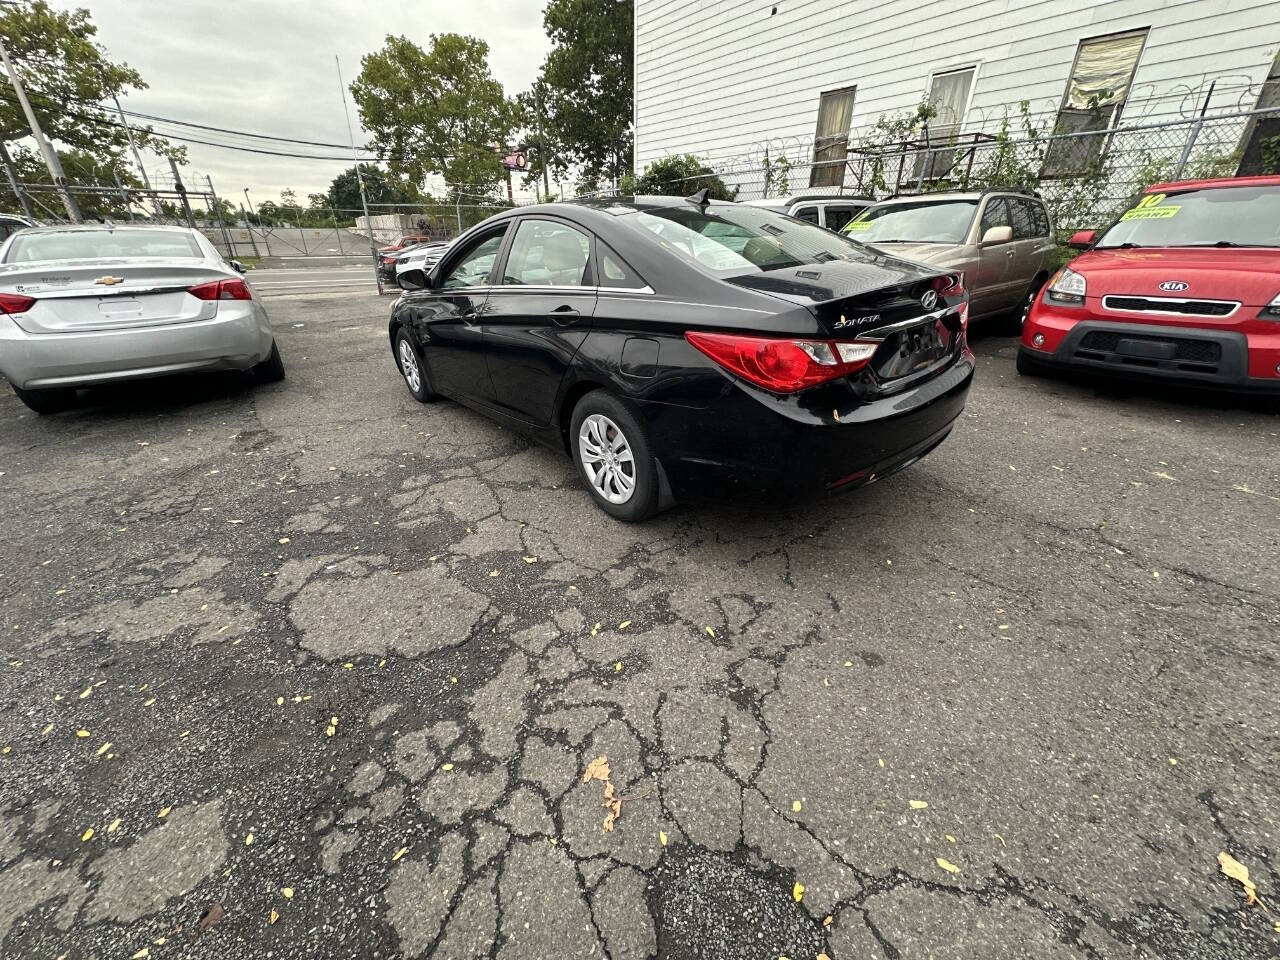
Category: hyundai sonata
<point>679,348</point>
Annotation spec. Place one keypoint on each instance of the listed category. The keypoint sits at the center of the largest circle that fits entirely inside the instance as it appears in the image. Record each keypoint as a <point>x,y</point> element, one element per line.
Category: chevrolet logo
<point>109,281</point>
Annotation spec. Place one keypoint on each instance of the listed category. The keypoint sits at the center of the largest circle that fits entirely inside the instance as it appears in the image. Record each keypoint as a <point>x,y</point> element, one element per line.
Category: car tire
<point>1018,319</point>
<point>45,402</point>
<point>270,370</point>
<point>413,370</point>
<point>1028,366</point>
<point>623,488</point>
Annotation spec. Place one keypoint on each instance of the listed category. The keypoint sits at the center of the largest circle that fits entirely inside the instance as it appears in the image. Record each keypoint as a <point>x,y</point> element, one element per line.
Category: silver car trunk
<point>110,294</point>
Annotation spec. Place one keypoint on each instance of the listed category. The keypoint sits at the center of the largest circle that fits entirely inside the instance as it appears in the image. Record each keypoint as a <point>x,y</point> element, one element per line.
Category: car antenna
<point>701,198</point>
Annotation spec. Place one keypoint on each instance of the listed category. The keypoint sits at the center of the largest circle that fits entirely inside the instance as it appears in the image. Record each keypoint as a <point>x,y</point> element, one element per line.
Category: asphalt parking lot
<point>328,667</point>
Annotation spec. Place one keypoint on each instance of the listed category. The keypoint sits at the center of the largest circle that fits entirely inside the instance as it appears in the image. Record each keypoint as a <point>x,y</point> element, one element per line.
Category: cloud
<point>267,66</point>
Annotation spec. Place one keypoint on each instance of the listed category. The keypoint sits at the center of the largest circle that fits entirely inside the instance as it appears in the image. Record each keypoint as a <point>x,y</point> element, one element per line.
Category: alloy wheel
<point>606,458</point>
<point>409,366</point>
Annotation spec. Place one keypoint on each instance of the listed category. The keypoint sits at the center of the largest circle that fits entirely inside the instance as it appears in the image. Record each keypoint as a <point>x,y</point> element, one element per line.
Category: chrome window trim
<point>546,288</point>
<point>1235,305</point>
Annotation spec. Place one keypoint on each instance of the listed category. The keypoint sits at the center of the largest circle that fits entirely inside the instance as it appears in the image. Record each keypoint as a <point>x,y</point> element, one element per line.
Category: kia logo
<point>929,300</point>
<point>1173,286</point>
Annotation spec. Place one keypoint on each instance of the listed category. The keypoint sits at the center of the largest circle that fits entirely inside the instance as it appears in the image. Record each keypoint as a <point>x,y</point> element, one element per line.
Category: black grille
<point>1186,349</point>
<point>1193,308</point>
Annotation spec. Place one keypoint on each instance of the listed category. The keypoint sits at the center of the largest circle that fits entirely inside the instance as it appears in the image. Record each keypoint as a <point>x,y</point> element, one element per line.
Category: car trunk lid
<point>109,294</point>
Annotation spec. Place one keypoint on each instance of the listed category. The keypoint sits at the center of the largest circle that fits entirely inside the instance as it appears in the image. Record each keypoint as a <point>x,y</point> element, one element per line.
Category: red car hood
<point>1251,276</point>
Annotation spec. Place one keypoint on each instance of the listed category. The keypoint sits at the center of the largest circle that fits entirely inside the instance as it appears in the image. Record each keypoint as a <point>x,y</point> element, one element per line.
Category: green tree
<point>344,191</point>
<point>585,87</point>
<point>67,76</point>
<point>678,176</point>
<point>436,111</point>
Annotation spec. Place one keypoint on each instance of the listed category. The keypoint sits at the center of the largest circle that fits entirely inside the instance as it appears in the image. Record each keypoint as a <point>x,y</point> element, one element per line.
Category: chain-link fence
<point>1086,177</point>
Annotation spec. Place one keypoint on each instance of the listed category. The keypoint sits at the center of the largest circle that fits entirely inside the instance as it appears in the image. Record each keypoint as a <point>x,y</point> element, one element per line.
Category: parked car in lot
<point>388,259</point>
<point>832,212</point>
<point>1184,286</point>
<point>85,305</point>
<point>11,223</point>
<point>422,257</point>
<point>679,348</point>
<point>1001,241</point>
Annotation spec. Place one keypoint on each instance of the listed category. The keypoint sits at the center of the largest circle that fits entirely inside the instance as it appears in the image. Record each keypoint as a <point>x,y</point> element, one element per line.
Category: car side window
<point>546,253</point>
<point>1024,227</point>
<point>838,216</point>
<point>807,214</point>
<point>995,215</point>
<point>614,271</point>
<point>476,263</point>
<point>1040,216</point>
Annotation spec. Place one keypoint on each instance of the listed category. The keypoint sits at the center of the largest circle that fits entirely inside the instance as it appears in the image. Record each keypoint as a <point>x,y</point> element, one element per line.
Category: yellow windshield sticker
<point>1152,207</point>
<point>859,225</point>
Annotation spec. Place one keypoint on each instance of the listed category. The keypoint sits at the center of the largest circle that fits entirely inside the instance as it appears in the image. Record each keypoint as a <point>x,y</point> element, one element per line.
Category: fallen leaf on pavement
<point>104,748</point>
<point>248,839</point>
<point>662,837</point>
<point>399,853</point>
<point>164,812</point>
<point>211,916</point>
<point>82,734</point>
<point>796,806</point>
<point>617,667</point>
<point>274,917</point>
<point>447,767</point>
<point>597,769</point>
<point>711,633</point>
<point>529,559</point>
<point>115,825</point>
<point>797,892</point>
<point>87,691</point>
<point>47,730</point>
<point>1237,871</point>
<point>87,835</point>
<point>947,865</point>
<point>286,892</point>
<point>919,804</point>
<point>624,624</point>
<point>141,954</point>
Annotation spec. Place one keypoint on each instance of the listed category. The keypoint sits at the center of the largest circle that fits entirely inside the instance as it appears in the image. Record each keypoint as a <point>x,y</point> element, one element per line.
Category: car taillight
<point>952,285</point>
<point>784,366</point>
<point>221,290</point>
<point>15,303</point>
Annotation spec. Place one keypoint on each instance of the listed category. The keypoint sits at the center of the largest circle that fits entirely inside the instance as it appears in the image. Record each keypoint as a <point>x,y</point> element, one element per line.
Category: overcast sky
<point>266,66</point>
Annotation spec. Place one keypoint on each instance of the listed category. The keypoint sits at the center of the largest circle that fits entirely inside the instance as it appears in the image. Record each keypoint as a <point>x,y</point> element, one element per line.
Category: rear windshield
<point>1221,217</point>
<point>943,221</point>
<point>735,239</point>
<point>101,244</point>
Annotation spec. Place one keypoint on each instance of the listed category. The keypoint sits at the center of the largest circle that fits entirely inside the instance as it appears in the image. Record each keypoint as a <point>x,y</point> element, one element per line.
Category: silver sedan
<point>92,304</point>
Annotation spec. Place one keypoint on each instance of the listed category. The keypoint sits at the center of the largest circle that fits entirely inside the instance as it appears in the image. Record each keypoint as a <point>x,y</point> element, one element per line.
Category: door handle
<point>565,315</point>
<point>1008,253</point>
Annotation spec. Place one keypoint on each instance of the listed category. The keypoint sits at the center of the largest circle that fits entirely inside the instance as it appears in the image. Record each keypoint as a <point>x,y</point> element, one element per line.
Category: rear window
<point>735,238</point>
<point>102,244</point>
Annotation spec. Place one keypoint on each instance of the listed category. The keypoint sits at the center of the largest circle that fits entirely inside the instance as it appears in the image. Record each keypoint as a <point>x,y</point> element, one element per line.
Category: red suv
<point>1184,286</point>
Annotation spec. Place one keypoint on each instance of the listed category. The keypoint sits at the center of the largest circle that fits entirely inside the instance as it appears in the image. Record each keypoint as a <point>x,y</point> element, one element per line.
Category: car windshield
<point>941,221</point>
<point>1213,217</point>
<point>735,239</point>
<point>101,244</point>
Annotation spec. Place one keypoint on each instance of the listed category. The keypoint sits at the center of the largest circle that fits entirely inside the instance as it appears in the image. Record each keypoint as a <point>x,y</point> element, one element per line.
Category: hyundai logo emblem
<point>929,300</point>
<point>1173,286</point>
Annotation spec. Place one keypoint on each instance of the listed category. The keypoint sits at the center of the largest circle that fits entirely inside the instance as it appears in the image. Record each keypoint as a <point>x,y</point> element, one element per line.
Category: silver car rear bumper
<point>238,338</point>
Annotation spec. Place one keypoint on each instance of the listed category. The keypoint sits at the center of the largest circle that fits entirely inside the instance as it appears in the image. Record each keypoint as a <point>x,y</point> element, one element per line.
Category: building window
<point>1095,96</point>
<point>949,98</point>
<point>831,140</point>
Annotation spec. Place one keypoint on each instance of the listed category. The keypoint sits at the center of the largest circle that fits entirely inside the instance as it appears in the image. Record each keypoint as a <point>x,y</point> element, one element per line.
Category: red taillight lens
<point>15,303</point>
<point>221,290</point>
<point>951,286</point>
<point>784,366</point>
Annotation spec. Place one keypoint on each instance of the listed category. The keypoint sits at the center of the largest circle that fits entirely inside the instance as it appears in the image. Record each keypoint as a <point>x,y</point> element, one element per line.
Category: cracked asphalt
<point>337,662</point>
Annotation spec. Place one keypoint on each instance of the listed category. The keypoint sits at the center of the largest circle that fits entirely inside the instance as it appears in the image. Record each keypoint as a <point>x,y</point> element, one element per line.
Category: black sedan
<point>677,348</point>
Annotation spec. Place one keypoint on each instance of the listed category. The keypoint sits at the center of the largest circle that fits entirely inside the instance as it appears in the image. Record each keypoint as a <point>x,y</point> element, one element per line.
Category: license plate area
<point>908,351</point>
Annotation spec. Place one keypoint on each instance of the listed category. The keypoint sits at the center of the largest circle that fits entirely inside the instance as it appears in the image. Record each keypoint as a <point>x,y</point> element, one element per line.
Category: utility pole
<point>364,202</point>
<point>50,156</point>
<point>249,226</point>
<point>128,207</point>
<point>13,182</point>
<point>137,158</point>
<point>182,192</point>
<point>542,143</point>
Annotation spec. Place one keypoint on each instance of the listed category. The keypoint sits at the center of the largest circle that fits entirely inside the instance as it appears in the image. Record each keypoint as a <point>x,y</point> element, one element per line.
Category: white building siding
<point>717,78</point>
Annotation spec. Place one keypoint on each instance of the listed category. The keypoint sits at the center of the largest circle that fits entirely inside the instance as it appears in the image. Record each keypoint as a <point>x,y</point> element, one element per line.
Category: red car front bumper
<point>1236,353</point>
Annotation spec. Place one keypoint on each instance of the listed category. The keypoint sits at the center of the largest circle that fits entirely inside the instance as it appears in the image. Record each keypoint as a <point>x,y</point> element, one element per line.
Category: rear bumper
<point>748,444</point>
<point>237,338</point>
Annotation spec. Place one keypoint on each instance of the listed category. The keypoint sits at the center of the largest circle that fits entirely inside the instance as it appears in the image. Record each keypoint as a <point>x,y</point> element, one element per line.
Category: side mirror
<point>996,236</point>
<point>237,266</point>
<point>1082,239</point>
<point>411,280</point>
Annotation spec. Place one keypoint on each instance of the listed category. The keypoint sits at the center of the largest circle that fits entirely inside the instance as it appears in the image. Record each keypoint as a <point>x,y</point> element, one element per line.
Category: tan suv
<point>1002,241</point>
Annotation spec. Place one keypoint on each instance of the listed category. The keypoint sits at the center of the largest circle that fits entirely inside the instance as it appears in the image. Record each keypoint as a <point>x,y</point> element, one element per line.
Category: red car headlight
<point>1066,289</point>
<point>1272,310</point>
